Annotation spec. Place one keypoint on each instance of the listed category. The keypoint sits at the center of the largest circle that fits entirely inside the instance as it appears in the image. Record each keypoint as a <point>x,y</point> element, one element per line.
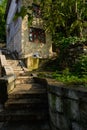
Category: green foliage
<point>64,42</point>
<point>80,67</point>
<point>60,21</point>
<point>23,12</point>
<point>64,18</point>
<point>68,78</point>
<point>2,21</point>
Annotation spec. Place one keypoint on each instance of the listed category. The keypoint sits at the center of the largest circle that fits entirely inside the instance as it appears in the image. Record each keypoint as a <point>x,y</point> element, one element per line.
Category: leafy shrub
<point>80,67</point>
<point>68,78</point>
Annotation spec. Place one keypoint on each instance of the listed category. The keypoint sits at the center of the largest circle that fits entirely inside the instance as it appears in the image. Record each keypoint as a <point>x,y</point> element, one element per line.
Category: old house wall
<point>44,50</point>
<point>14,28</point>
<point>30,48</point>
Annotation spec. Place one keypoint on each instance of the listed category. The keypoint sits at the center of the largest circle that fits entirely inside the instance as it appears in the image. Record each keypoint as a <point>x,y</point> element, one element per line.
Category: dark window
<point>36,11</point>
<point>37,35</point>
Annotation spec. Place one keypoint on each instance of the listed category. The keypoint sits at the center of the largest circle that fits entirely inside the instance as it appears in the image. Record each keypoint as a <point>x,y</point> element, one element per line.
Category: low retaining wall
<point>67,106</point>
<point>7,79</point>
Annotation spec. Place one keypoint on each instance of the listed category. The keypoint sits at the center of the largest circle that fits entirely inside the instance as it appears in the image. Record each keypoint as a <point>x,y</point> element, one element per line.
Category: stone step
<point>15,65</point>
<point>17,68</point>
<point>29,91</point>
<point>25,125</point>
<point>26,104</point>
<point>28,88</point>
<point>13,62</point>
<point>32,95</point>
<point>24,115</point>
<point>23,79</point>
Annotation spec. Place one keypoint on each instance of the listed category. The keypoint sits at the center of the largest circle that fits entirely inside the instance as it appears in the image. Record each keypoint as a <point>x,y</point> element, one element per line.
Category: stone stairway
<point>27,101</point>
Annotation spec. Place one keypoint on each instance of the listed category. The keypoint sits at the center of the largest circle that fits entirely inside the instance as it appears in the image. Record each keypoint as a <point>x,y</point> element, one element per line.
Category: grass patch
<point>65,77</point>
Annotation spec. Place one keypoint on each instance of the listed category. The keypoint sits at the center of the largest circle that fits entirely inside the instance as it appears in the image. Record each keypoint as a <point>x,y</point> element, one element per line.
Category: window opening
<point>37,35</point>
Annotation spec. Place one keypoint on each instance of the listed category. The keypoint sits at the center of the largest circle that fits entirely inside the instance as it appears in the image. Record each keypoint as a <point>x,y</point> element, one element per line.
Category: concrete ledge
<point>8,79</point>
<point>3,60</point>
<point>8,70</point>
<point>9,82</point>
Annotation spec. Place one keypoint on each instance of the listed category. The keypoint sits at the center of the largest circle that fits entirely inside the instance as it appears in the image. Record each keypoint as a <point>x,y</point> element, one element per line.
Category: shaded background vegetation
<point>2,21</point>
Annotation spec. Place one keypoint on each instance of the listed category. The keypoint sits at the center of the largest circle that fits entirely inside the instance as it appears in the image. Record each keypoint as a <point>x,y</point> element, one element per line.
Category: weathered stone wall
<point>30,48</point>
<point>67,107</point>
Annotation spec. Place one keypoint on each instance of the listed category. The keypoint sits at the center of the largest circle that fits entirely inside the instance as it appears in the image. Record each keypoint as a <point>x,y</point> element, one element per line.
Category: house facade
<point>29,41</point>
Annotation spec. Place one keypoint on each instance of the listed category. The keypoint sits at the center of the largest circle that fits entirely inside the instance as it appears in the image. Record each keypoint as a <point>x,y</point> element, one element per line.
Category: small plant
<point>80,66</point>
<point>69,78</point>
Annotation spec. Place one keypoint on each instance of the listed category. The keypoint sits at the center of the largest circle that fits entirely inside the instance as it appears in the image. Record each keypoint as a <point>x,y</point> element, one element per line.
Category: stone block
<point>10,86</point>
<point>73,94</point>
<point>53,118</point>
<point>71,109</point>
<point>53,127</point>
<point>8,70</point>
<point>62,122</point>
<point>59,104</point>
<point>67,107</point>
<point>75,114</point>
<point>3,60</point>
<point>8,82</point>
<point>10,78</point>
<point>55,88</point>
<point>52,101</point>
<point>76,126</point>
<point>83,113</point>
